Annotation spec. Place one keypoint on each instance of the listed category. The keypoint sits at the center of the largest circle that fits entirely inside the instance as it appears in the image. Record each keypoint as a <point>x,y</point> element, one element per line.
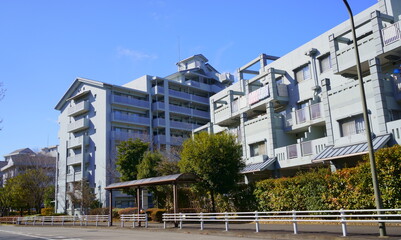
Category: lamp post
<point>100,195</point>
<point>378,200</point>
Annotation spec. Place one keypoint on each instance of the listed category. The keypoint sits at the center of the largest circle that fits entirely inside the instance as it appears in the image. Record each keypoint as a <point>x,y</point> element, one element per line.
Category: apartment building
<point>21,160</point>
<point>304,109</point>
<point>96,116</point>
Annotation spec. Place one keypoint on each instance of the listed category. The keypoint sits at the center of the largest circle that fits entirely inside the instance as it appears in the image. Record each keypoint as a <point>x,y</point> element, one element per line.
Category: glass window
<point>303,73</point>
<point>352,125</point>
<point>325,63</point>
<point>257,149</point>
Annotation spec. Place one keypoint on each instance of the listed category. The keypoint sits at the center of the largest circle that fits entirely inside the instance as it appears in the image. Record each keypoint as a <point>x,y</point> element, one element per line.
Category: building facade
<point>96,116</point>
<point>304,108</point>
<point>21,160</point>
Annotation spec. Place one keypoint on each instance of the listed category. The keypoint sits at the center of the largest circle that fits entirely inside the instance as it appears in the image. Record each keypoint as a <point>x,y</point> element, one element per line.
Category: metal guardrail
<point>61,220</point>
<point>134,218</point>
<point>292,217</point>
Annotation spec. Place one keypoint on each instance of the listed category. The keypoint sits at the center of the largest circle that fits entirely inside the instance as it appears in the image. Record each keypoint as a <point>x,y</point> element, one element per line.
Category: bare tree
<point>82,195</point>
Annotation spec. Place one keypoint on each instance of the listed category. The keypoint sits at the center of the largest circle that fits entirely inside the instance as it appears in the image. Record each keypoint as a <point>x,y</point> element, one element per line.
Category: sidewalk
<point>281,231</point>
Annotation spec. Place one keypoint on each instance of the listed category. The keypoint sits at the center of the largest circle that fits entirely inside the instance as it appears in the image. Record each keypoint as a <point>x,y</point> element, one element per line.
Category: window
<point>325,63</point>
<point>302,73</point>
<point>352,125</point>
<point>257,149</point>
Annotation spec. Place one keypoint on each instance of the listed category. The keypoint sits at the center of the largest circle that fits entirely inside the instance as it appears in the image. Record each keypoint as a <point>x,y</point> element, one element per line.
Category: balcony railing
<point>77,141</point>
<point>78,125</point>
<point>180,109</point>
<point>74,177</point>
<point>79,108</point>
<point>179,94</point>
<point>157,90</point>
<point>159,139</point>
<point>123,136</point>
<point>177,140</point>
<point>235,106</point>
<point>200,99</point>
<point>158,106</point>
<point>159,122</point>
<point>74,160</point>
<point>130,101</point>
<point>391,34</point>
<point>292,151</point>
<point>313,112</point>
<point>199,113</point>
<point>131,119</point>
<point>306,148</point>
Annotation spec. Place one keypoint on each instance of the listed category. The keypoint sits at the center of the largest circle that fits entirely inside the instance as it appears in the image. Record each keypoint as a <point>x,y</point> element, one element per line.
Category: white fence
<point>291,217</point>
<point>134,218</point>
<point>61,220</point>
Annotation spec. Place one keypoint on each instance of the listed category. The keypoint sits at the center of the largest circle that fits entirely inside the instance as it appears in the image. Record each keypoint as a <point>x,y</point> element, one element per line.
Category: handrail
<point>341,216</point>
<point>83,220</point>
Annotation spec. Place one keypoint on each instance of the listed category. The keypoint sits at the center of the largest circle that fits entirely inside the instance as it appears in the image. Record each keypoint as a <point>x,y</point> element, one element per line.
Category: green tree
<point>129,155</point>
<point>215,159</point>
<point>147,166</point>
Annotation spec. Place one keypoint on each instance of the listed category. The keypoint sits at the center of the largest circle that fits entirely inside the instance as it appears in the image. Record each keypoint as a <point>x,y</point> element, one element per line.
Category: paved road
<point>192,232</point>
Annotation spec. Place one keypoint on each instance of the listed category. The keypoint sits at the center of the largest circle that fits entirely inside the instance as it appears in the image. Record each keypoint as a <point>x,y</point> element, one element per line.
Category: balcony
<point>200,113</point>
<point>125,100</point>
<point>74,177</point>
<point>79,108</point>
<point>182,95</point>
<point>200,99</point>
<point>300,153</point>
<point>177,141</point>
<point>78,141</point>
<point>397,89</point>
<point>391,36</point>
<point>222,113</point>
<point>159,122</point>
<point>183,125</point>
<point>158,106</point>
<point>157,90</point>
<point>301,119</point>
<point>75,160</point>
<point>78,125</point>
<point>124,136</point>
<point>159,139</point>
<point>132,119</point>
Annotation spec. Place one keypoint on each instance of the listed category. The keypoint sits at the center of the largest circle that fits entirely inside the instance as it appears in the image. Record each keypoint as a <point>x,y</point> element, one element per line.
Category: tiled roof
<point>332,152</point>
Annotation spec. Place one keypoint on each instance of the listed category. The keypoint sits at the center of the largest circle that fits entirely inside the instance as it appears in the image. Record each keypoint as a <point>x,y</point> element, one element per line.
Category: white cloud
<point>135,55</point>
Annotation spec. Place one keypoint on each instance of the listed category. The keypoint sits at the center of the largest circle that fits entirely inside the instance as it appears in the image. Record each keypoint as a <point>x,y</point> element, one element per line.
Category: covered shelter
<point>173,180</point>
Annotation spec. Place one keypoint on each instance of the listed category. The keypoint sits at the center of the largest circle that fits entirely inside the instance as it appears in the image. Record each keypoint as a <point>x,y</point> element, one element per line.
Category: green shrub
<point>47,211</point>
<point>155,214</point>
<point>128,211</point>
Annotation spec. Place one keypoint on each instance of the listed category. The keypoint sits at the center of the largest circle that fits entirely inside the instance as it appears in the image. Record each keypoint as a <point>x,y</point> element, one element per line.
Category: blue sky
<point>45,45</point>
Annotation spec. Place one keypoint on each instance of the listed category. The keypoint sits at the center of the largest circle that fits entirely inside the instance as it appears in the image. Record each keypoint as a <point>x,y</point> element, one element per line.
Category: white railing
<point>61,220</point>
<point>291,217</point>
<point>391,33</point>
<point>134,218</point>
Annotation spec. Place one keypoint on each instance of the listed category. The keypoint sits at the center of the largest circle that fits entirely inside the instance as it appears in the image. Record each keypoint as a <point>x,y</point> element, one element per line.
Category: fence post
<point>97,220</point>
<point>52,220</point>
<point>133,220</point>
<point>180,220</point>
<point>343,222</point>
<point>73,221</point>
<point>34,219</point>
<point>122,220</point>
<point>62,220</point>
<point>294,222</point>
<point>86,220</point>
<point>146,220</point>
<point>43,220</point>
<point>201,220</point>
<point>226,220</point>
<point>164,220</point>
<point>257,221</point>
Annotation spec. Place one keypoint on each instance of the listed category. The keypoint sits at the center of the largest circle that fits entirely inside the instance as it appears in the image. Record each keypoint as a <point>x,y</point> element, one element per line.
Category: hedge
<point>348,188</point>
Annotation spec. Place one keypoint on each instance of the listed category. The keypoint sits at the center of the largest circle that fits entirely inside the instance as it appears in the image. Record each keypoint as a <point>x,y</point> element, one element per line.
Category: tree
<point>147,166</point>
<point>129,155</point>
<point>82,196</point>
<point>215,159</point>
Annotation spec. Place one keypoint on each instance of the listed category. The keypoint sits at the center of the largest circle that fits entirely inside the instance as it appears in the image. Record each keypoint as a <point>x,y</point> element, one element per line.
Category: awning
<point>331,152</point>
<point>169,179</point>
<point>257,167</point>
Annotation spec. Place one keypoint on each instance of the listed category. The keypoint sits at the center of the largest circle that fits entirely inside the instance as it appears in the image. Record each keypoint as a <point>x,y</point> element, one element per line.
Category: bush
<point>128,211</point>
<point>47,211</point>
<point>155,214</point>
<point>99,211</point>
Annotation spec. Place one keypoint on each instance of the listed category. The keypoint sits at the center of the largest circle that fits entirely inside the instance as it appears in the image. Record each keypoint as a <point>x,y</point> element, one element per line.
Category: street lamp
<point>378,200</point>
<point>100,195</point>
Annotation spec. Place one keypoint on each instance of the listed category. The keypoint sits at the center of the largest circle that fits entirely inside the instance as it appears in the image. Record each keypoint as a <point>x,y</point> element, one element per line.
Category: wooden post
<point>175,200</point>
<point>110,208</point>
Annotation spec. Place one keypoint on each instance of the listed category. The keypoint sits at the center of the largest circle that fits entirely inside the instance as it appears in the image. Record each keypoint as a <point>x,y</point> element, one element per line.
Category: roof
<point>192,57</point>
<point>169,179</point>
<point>258,167</point>
<point>25,160</point>
<point>331,152</point>
<point>21,151</point>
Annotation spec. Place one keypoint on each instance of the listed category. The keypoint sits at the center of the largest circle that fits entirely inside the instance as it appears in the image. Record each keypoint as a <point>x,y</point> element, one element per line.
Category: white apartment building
<point>304,108</point>
<point>95,116</point>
